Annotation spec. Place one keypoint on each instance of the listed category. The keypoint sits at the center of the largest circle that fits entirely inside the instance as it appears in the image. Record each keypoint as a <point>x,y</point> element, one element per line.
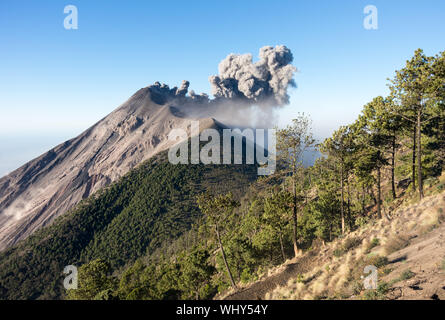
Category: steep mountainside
<point>46,187</point>
<point>149,206</point>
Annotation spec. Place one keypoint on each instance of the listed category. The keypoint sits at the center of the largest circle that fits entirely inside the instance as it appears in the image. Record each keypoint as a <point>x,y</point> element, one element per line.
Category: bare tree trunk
<point>419,153</point>
<point>282,248</point>
<point>224,258</point>
<point>238,271</point>
<point>393,160</point>
<point>342,201</point>
<point>441,127</point>
<point>379,194</point>
<point>373,196</point>
<point>414,159</point>
<point>363,200</point>
<point>349,205</point>
<point>294,217</point>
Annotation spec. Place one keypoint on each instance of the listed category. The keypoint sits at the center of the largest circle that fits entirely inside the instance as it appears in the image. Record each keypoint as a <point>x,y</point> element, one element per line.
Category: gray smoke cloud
<point>262,82</point>
<point>246,92</point>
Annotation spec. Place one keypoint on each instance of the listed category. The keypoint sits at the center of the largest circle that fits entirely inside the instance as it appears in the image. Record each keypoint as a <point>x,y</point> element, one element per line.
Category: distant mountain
<point>41,190</point>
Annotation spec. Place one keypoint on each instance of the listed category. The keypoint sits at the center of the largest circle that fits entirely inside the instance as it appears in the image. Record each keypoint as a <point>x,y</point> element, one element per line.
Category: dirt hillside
<point>407,247</point>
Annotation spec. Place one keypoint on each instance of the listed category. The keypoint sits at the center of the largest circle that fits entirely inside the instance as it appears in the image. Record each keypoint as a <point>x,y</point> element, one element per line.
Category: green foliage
<point>196,273</point>
<point>361,222</point>
<point>374,243</point>
<point>407,274</point>
<point>338,252</point>
<point>277,215</point>
<point>377,261</point>
<point>294,140</point>
<point>216,209</point>
<point>326,216</point>
<point>351,243</point>
<point>148,207</point>
<point>379,293</point>
<point>300,278</point>
<point>94,282</point>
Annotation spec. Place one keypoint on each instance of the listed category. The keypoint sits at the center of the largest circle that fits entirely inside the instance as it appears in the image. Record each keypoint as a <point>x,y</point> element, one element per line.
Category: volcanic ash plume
<point>264,82</point>
<point>246,93</point>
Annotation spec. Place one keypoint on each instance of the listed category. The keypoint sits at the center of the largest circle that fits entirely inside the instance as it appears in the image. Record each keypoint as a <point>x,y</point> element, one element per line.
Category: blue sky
<point>54,83</point>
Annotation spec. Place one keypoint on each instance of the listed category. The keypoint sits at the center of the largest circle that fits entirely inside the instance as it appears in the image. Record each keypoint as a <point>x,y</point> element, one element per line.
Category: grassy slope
<point>408,243</point>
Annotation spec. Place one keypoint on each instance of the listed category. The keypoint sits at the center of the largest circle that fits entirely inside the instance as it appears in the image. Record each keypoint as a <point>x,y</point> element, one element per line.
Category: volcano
<point>41,190</point>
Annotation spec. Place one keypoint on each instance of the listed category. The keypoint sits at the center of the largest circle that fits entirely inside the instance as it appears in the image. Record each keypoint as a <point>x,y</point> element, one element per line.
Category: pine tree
<point>340,148</point>
<point>277,213</point>
<point>292,143</point>
<point>216,208</point>
<point>416,90</point>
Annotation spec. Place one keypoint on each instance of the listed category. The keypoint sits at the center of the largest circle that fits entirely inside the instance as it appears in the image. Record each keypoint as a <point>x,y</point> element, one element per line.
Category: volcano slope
<point>35,194</point>
<point>146,208</point>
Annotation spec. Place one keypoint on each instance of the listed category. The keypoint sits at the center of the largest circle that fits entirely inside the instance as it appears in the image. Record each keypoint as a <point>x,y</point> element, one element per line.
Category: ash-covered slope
<point>33,195</point>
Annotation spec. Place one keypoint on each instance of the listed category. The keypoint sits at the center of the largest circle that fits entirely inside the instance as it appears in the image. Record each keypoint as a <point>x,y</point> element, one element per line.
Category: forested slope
<point>150,205</point>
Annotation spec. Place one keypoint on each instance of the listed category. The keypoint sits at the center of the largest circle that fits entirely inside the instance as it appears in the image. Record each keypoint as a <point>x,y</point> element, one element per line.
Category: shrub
<point>379,294</point>
<point>357,287</point>
<point>347,245</point>
<point>396,243</point>
<point>377,261</point>
<point>386,271</point>
<point>300,278</point>
<point>355,278</point>
<point>374,243</point>
<point>361,221</point>
<point>351,243</point>
<point>407,274</point>
<point>338,252</point>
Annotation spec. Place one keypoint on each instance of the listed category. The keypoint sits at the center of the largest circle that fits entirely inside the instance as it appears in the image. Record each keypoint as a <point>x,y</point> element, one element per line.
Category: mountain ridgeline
<point>35,194</point>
